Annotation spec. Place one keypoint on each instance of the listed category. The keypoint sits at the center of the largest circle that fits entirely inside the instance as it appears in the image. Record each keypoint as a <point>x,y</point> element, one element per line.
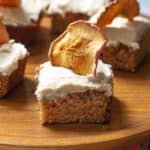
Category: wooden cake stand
<point>20,128</point>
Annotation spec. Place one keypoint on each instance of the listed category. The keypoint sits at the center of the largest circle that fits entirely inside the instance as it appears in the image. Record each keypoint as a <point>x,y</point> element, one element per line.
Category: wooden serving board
<point>20,127</point>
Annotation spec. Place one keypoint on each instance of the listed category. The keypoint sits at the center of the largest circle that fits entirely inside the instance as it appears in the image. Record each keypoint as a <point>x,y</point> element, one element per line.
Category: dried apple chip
<point>129,8</point>
<point>4,36</point>
<point>78,48</point>
<point>10,3</point>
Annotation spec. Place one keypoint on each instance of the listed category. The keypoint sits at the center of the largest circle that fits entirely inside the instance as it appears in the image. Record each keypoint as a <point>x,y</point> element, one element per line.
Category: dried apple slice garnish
<point>10,3</point>
<point>78,48</point>
<point>132,9</point>
<point>4,38</point>
<point>113,8</point>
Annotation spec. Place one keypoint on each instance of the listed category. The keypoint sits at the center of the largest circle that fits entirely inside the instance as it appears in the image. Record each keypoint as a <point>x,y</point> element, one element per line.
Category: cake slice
<point>19,23</point>
<point>66,97</point>
<point>13,57</point>
<point>99,12</point>
<point>74,87</point>
<point>129,43</point>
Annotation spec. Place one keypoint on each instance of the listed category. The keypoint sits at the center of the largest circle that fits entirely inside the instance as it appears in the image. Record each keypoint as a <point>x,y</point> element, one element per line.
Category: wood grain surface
<point>20,128</point>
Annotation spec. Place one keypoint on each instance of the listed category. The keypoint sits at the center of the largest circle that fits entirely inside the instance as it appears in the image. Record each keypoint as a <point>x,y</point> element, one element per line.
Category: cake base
<point>60,23</point>
<point>8,82</point>
<point>91,106</point>
<point>126,58</point>
<point>23,34</point>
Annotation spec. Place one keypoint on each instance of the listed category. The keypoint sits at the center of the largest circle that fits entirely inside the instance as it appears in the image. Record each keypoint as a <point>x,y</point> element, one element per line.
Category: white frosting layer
<point>14,16</point>
<point>10,54</point>
<point>91,8</point>
<point>33,8</point>
<point>24,15</point>
<point>59,82</point>
<point>121,30</point>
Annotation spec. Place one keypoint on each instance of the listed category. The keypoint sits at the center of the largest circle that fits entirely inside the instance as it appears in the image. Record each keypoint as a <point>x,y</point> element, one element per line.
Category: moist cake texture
<point>66,97</point>
<point>128,42</point>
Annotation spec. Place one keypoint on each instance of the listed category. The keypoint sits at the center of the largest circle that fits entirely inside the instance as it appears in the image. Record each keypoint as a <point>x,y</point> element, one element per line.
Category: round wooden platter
<point>20,126</point>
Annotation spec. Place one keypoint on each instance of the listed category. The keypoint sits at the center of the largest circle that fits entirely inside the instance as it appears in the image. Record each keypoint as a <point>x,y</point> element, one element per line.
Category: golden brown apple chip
<point>129,8</point>
<point>78,48</point>
<point>10,3</point>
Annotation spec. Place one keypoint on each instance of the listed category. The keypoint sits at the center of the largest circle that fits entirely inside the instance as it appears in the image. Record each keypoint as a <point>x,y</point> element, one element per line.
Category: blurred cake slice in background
<point>129,42</point>
<point>13,57</point>
<point>19,23</point>
<point>100,12</point>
